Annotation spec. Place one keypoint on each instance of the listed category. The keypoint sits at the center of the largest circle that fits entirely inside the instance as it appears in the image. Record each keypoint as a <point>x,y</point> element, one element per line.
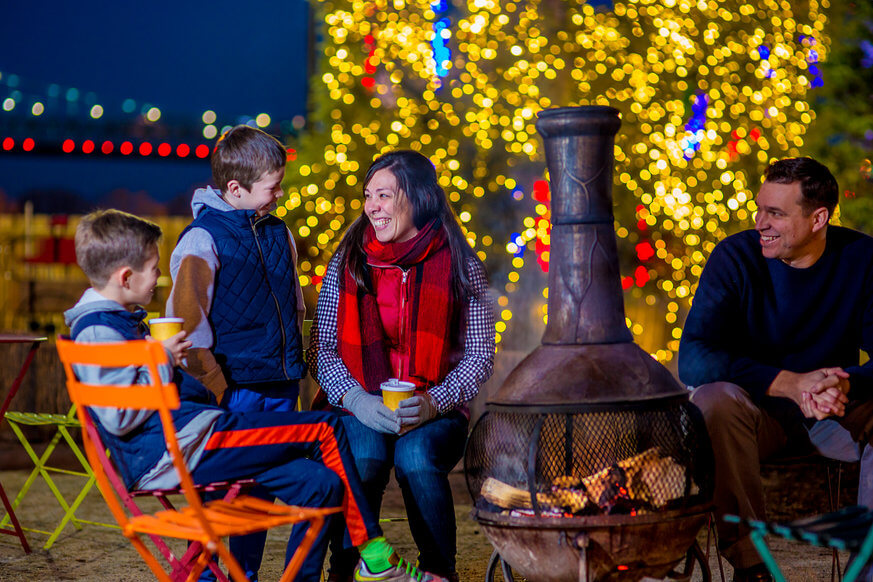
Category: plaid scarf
<point>361,340</point>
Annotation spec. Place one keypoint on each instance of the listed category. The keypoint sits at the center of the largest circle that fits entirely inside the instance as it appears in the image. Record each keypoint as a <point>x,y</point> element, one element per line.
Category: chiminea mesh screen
<point>617,459</point>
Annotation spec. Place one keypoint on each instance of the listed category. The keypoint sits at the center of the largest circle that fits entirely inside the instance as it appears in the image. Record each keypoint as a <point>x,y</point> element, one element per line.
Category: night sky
<point>235,58</point>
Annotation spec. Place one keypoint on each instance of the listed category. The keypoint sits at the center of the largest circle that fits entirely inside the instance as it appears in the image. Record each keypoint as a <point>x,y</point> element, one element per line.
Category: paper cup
<point>394,390</point>
<point>162,328</point>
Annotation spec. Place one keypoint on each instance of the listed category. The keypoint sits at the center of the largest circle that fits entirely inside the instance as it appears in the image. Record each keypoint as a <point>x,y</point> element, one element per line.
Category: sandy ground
<point>101,554</point>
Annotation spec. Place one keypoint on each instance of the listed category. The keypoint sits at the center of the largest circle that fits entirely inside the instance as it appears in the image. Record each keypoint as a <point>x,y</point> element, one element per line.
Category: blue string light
<point>695,126</point>
<point>441,33</point>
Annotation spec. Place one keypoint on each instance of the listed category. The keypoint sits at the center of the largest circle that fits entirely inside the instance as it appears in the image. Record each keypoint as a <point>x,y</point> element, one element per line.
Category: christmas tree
<point>709,92</point>
<point>842,135</point>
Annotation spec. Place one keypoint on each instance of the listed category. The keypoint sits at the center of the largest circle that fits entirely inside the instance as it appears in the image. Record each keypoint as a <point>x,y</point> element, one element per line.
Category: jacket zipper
<point>273,295</point>
<point>405,347</point>
<point>402,320</point>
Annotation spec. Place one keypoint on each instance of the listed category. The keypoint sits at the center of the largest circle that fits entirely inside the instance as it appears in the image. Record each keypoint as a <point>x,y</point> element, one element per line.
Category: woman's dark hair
<point>417,179</point>
<point>817,185</point>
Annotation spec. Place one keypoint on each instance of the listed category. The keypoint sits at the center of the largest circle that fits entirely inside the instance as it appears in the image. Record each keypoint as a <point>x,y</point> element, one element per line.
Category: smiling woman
<point>404,297</point>
<point>388,208</point>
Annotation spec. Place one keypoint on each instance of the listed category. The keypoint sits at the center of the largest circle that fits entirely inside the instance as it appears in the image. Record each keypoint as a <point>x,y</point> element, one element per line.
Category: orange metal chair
<point>180,565</point>
<point>202,522</point>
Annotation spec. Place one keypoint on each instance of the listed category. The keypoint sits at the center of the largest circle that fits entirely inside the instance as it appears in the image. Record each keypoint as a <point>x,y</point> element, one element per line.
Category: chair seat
<point>42,419</point>
<point>845,529</point>
<point>239,516</point>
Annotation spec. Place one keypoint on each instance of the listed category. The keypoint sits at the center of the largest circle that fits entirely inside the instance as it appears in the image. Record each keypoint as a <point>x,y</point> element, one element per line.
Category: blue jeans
<point>422,459</point>
<point>833,441</point>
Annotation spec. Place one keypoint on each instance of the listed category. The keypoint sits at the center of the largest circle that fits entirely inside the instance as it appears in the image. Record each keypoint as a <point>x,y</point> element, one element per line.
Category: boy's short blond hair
<point>109,239</point>
<point>246,154</point>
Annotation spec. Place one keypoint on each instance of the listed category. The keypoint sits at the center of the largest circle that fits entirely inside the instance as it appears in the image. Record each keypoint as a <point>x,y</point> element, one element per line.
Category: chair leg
<point>757,538</point>
<point>38,462</point>
<point>315,525</point>
<point>16,527</point>
<point>70,514</point>
<point>834,500</point>
<point>712,532</point>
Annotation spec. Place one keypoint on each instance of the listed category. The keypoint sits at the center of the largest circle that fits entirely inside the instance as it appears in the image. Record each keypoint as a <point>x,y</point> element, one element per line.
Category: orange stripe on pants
<point>301,433</point>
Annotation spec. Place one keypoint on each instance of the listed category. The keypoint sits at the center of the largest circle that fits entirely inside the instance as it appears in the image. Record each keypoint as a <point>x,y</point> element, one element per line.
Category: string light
<point>57,101</point>
<point>107,147</point>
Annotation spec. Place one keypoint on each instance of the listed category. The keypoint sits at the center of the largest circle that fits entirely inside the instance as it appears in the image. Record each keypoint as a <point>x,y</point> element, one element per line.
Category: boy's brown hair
<point>109,239</point>
<point>245,154</point>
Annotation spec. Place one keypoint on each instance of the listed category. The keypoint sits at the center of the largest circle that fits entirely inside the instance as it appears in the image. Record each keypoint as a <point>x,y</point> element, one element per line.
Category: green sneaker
<point>403,571</point>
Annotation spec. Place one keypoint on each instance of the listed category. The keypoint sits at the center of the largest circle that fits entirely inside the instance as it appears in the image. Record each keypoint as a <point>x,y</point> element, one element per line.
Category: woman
<point>405,297</point>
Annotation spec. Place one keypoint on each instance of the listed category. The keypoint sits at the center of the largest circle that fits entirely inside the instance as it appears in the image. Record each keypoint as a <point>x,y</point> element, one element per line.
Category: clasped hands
<point>372,412</point>
<point>819,393</point>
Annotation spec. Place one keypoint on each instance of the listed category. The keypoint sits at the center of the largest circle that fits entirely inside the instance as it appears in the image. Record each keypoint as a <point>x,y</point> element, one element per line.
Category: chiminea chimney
<point>587,353</point>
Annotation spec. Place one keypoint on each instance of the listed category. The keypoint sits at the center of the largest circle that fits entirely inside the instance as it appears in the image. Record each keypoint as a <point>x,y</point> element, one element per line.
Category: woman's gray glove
<point>416,410</point>
<point>369,409</point>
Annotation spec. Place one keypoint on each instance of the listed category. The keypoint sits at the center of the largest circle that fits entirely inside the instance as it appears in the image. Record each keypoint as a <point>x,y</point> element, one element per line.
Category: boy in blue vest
<point>301,458</point>
<point>235,284</point>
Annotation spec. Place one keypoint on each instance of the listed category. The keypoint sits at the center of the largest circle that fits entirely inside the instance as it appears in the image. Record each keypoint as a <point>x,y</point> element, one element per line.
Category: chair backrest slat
<point>147,354</point>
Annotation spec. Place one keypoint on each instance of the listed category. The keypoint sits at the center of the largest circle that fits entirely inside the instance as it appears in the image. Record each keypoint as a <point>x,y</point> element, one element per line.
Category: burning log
<point>639,483</point>
<point>504,495</point>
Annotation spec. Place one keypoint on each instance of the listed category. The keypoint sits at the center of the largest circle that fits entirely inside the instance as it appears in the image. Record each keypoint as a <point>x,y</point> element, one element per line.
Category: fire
<point>639,484</point>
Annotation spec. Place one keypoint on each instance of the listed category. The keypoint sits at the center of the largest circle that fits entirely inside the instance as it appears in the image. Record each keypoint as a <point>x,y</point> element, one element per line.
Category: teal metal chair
<point>848,529</point>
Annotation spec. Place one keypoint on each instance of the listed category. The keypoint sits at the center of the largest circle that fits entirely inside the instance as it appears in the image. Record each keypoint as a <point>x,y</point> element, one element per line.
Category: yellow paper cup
<point>394,390</point>
<point>165,327</point>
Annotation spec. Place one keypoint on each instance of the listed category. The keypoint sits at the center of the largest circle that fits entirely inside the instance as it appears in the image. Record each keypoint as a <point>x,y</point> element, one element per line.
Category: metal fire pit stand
<point>694,554</point>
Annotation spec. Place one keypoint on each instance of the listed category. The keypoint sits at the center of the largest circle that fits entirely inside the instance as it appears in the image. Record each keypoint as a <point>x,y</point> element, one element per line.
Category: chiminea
<point>589,462</point>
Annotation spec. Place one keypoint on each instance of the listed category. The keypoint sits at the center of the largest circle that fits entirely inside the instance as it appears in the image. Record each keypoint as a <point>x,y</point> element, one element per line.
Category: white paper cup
<point>162,328</point>
<point>394,390</point>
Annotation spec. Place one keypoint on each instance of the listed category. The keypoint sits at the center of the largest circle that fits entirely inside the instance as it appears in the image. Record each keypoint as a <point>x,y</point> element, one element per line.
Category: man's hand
<point>176,346</point>
<point>813,409</point>
<point>819,393</point>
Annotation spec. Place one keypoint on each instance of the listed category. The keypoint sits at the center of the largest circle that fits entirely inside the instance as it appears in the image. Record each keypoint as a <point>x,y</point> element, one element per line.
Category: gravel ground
<point>100,554</point>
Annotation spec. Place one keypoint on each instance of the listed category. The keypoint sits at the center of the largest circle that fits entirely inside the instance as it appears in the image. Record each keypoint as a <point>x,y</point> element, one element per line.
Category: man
<point>772,344</point>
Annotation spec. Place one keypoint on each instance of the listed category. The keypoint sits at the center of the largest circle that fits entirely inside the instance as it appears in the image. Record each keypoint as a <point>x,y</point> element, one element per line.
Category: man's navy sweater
<point>753,317</point>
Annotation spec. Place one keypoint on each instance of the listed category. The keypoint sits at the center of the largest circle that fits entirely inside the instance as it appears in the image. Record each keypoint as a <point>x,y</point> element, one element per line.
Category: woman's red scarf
<point>361,343</point>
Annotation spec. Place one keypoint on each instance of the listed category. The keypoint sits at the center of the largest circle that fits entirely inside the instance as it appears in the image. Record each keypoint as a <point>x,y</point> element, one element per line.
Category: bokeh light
<point>709,93</point>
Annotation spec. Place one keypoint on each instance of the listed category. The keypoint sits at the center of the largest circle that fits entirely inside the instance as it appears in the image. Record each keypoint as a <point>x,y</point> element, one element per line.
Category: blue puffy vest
<point>139,450</point>
<point>254,304</point>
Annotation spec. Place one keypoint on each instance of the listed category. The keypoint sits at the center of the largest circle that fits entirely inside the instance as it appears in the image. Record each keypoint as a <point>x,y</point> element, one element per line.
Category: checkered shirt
<point>459,386</point>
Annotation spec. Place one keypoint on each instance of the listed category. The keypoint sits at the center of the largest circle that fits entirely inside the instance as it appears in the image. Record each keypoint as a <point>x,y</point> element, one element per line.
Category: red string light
<point>126,148</point>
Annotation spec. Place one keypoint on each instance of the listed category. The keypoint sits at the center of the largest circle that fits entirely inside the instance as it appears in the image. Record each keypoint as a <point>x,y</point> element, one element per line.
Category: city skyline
<point>175,61</point>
